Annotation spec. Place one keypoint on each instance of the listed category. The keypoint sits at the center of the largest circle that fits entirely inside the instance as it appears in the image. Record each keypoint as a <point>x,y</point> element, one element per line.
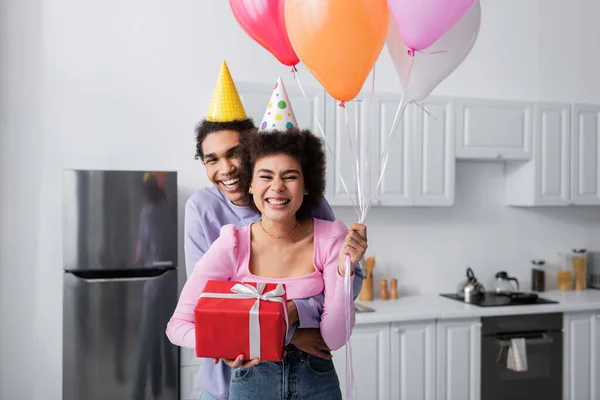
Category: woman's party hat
<point>279,115</point>
<point>226,104</point>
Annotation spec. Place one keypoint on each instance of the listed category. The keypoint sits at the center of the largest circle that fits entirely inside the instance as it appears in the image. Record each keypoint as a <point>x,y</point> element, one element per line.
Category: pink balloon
<point>422,22</point>
<point>263,21</point>
<point>420,73</point>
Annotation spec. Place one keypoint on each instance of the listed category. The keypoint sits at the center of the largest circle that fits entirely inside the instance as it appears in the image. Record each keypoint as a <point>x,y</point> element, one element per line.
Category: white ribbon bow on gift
<point>247,291</point>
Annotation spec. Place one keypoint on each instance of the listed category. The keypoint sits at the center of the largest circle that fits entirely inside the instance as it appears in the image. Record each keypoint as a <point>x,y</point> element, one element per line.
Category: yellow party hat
<point>226,104</point>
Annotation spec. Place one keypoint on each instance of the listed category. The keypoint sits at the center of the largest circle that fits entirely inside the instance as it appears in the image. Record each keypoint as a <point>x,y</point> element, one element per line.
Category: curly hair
<point>204,128</point>
<point>301,145</point>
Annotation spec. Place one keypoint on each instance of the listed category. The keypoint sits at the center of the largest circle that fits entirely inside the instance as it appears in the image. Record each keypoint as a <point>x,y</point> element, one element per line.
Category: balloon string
<point>324,137</point>
<point>348,309</point>
<point>354,171</point>
<point>386,148</point>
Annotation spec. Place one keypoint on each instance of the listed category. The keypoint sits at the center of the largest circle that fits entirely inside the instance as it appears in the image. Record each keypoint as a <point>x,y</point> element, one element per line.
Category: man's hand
<point>292,312</point>
<point>310,341</point>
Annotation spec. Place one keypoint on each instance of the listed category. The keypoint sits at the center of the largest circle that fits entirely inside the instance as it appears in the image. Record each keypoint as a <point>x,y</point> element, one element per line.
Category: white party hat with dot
<point>279,115</point>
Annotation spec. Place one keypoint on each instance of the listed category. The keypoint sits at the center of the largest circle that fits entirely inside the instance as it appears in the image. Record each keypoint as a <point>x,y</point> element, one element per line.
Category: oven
<point>544,348</point>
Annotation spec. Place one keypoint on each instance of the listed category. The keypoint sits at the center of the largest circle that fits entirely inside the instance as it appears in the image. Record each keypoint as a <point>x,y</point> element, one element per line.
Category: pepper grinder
<point>384,290</point>
<point>394,289</point>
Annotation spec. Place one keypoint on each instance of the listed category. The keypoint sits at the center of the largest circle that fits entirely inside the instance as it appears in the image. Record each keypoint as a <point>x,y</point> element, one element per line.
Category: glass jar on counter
<point>579,262</point>
<point>564,276</point>
<point>538,276</point>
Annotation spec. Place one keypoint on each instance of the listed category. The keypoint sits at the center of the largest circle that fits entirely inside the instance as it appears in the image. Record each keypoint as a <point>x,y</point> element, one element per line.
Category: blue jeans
<point>299,377</point>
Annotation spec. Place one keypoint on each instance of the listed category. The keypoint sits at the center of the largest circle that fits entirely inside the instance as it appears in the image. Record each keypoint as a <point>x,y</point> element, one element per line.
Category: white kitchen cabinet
<point>493,129</point>
<point>545,180</point>
<point>413,351</point>
<point>585,154</point>
<point>397,182</point>
<point>565,169</point>
<point>371,362</point>
<point>458,359</point>
<point>420,169</point>
<point>188,382</point>
<point>434,164</point>
<point>581,355</point>
<point>348,137</point>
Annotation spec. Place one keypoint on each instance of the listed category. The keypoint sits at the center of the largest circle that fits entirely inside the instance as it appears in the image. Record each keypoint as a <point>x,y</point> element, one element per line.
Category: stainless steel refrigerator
<point>119,285</point>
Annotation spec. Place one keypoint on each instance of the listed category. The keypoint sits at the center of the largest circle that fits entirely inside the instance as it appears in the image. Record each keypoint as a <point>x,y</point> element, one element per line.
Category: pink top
<point>228,259</point>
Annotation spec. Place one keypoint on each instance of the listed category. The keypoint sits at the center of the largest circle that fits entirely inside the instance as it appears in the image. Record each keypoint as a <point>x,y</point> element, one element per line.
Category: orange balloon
<point>338,40</point>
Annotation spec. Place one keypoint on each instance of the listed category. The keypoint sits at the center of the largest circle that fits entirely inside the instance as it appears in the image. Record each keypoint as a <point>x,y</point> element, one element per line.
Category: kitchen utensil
<point>470,289</point>
<point>366,292</point>
<point>394,289</point>
<point>384,290</point>
<point>502,283</point>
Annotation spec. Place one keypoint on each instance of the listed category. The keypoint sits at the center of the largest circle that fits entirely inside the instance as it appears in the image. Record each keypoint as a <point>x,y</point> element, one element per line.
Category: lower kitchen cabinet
<point>581,358</point>
<point>412,364</point>
<point>370,360</point>
<point>425,360</point>
<point>458,359</point>
<point>188,374</point>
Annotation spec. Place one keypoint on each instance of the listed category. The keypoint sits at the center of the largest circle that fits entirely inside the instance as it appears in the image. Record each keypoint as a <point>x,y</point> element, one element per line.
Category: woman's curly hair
<point>299,144</point>
<point>204,128</point>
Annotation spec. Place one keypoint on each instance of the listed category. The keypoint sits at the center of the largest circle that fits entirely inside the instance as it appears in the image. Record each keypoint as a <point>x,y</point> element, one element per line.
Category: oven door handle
<point>545,339</point>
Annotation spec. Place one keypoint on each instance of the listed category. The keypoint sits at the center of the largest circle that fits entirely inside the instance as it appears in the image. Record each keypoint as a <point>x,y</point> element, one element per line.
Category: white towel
<point>517,355</point>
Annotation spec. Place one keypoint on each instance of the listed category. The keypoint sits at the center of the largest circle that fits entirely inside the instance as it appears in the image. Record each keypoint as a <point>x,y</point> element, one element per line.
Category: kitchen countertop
<point>433,306</point>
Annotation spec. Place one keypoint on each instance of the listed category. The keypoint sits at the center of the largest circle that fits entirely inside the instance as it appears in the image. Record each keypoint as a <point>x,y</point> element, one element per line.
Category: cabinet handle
<point>498,155</point>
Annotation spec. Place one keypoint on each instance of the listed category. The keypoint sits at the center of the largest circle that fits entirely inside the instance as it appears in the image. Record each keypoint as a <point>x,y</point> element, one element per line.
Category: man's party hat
<point>279,115</point>
<point>226,104</point>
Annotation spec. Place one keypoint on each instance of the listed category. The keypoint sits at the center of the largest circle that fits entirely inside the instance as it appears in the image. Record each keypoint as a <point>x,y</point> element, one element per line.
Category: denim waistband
<point>293,355</point>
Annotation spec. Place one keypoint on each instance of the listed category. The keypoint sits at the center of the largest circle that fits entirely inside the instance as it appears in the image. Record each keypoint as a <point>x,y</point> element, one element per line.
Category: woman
<point>285,180</point>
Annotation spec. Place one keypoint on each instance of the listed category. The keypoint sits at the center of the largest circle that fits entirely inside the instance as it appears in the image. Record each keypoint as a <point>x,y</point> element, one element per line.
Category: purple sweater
<point>206,212</point>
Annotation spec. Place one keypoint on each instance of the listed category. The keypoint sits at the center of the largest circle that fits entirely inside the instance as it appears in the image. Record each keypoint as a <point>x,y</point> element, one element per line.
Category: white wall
<point>121,84</point>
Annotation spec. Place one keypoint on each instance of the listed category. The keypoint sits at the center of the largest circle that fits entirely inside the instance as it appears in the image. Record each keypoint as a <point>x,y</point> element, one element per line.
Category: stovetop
<point>492,299</point>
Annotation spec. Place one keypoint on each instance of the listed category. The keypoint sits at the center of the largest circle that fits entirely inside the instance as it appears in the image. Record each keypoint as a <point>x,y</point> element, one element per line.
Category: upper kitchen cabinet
<point>565,169</point>
<point>585,155</point>
<point>255,98</point>
<point>420,167</point>
<point>434,164</point>
<point>493,129</point>
<point>546,180</point>
<point>348,138</point>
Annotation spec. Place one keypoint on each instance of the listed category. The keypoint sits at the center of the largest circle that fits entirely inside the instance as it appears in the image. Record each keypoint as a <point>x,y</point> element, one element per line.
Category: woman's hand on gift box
<point>239,362</point>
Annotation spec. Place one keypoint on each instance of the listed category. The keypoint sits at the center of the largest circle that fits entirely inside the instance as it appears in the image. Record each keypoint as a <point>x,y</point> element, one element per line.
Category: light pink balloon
<point>423,71</point>
<point>422,22</point>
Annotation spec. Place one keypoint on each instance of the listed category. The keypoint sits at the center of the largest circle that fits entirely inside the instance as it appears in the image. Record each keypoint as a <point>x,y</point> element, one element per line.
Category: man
<point>206,211</point>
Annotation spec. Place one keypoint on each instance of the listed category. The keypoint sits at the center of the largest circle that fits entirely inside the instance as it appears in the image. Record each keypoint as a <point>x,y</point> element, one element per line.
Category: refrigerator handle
<point>100,276</point>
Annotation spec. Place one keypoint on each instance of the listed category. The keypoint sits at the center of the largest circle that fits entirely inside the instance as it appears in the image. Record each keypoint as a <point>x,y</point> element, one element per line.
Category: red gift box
<point>233,318</point>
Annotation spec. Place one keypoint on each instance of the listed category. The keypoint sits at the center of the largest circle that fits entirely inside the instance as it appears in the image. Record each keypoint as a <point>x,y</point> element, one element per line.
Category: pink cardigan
<point>228,259</point>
